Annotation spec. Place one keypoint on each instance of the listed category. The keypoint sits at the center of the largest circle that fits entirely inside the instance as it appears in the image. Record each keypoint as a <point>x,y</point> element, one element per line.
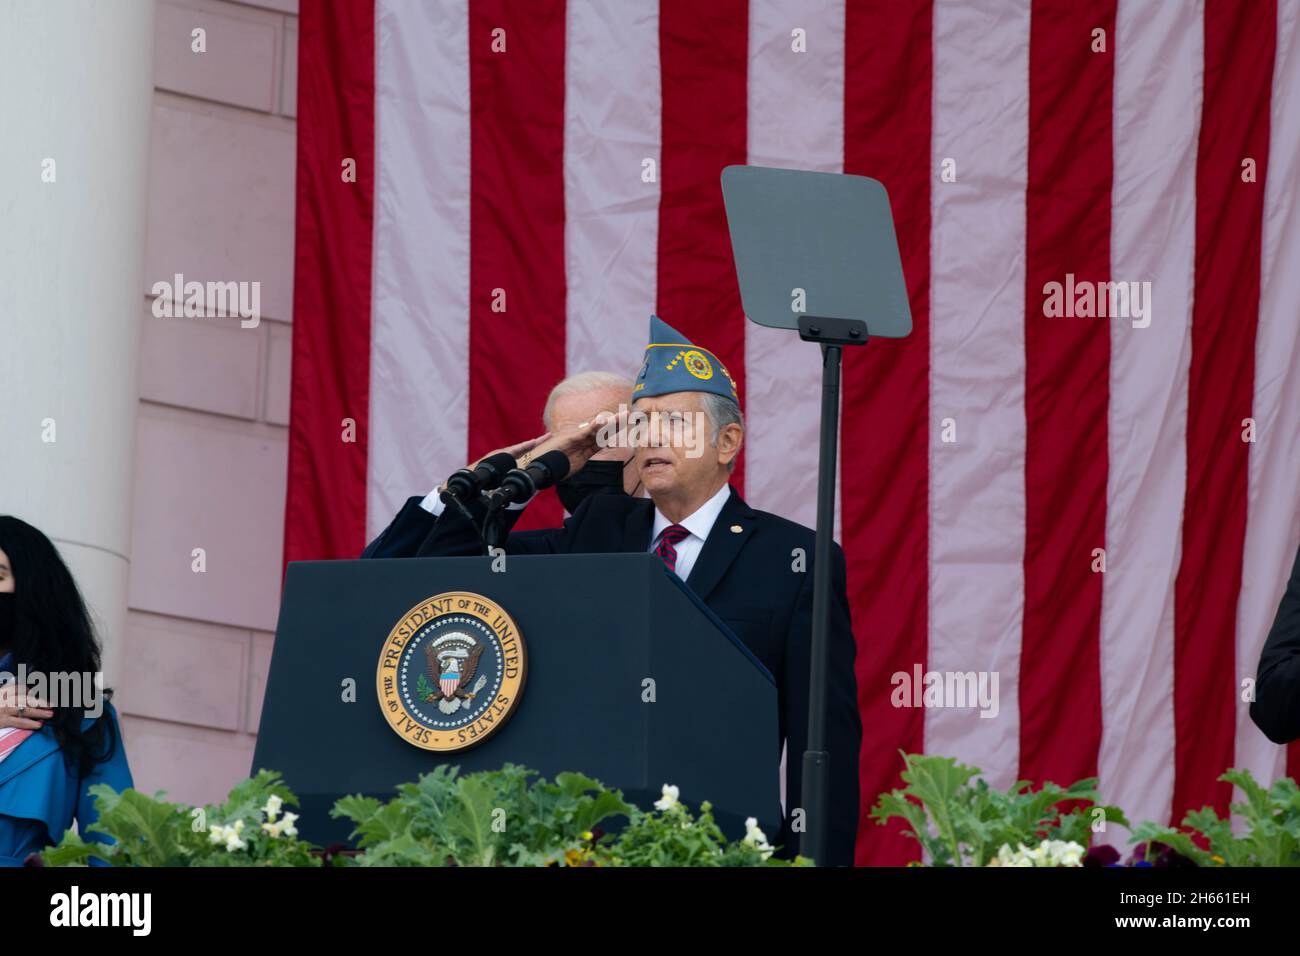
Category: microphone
<point>520,484</point>
<point>466,484</point>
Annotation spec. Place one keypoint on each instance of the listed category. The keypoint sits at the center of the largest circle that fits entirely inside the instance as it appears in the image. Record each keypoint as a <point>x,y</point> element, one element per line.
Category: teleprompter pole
<point>832,334</point>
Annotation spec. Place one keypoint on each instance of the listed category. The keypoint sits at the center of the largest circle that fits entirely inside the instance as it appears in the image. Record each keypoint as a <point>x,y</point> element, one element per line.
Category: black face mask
<point>8,607</point>
<point>596,478</point>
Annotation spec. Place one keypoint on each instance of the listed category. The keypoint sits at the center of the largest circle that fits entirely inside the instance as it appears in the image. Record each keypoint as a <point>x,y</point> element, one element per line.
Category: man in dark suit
<point>753,569</point>
<point>1276,708</point>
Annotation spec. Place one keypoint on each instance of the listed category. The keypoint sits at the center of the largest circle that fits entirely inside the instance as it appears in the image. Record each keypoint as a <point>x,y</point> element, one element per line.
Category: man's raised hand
<point>520,450</point>
<point>578,443</point>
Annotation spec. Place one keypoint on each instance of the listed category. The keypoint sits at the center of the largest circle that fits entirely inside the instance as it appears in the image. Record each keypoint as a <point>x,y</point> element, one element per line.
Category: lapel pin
<point>736,529</point>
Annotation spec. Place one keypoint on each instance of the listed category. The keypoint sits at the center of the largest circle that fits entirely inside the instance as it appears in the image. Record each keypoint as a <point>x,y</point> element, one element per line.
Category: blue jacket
<point>40,795</point>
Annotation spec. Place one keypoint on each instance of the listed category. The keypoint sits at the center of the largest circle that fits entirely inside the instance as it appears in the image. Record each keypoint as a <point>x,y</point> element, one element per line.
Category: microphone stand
<point>541,473</point>
<point>460,506</point>
<point>832,335</point>
<point>492,532</point>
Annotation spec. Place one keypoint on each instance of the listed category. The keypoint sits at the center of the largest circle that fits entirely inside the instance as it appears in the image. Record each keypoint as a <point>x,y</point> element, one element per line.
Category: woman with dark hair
<point>52,750</point>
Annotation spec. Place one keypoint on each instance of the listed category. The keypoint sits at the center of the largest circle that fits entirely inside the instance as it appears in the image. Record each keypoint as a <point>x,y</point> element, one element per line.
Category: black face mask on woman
<point>8,607</point>
<point>595,478</point>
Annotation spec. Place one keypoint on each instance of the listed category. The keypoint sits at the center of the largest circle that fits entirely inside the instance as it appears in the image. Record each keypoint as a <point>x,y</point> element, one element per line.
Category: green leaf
<point>149,831</point>
<point>471,826</point>
<point>74,851</point>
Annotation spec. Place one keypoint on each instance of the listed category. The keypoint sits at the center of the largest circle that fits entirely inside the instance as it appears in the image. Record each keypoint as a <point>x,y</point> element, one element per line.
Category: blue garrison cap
<point>675,364</point>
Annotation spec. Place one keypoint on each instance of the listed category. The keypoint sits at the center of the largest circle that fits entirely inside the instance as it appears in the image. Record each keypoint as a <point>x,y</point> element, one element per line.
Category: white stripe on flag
<point>1157,98</point>
<point>1273,516</point>
<point>977,376</point>
<point>611,128</point>
<point>419,346</point>
<point>796,119</point>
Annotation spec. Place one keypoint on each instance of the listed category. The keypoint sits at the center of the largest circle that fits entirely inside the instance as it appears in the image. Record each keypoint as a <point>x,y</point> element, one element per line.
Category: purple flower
<point>329,854</point>
<point>1161,855</point>
<point>1103,855</point>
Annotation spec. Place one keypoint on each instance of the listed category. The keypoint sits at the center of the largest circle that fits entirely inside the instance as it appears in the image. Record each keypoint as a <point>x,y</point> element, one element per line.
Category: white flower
<point>669,799</point>
<point>1008,857</point>
<point>217,834</point>
<point>1065,853</point>
<point>1047,853</point>
<point>281,827</point>
<point>756,838</point>
<point>272,808</point>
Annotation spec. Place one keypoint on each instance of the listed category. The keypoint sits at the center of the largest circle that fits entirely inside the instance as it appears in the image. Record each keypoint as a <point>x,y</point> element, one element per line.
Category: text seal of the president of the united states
<point>451,671</point>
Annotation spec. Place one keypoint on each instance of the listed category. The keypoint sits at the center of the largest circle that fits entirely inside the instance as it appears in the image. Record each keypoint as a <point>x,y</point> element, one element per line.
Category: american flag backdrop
<point>534,177</point>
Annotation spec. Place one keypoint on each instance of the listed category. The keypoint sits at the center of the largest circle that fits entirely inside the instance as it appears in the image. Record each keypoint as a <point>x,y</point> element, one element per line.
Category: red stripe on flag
<point>704,65</point>
<point>325,509</point>
<point>1067,367</point>
<point>516,225</point>
<point>885,429</point>
<point>1240,39</point>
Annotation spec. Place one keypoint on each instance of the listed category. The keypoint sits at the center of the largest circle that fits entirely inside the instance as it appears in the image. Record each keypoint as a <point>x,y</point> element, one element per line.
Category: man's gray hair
<point>584,382</point>
<point>722,411</point>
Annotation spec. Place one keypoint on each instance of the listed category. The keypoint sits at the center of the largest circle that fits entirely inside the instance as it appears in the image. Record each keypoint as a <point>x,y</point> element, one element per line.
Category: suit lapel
<point>636,526</point>
<point>722,545</point>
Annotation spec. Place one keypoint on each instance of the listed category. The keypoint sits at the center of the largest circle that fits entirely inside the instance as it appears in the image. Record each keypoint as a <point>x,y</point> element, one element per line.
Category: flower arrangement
<point>500,817</point>
<point>506,817</point>
<point>673,836</point>
<point>1270,821</point>
<point>963,823</point>
<point>1047,853</point>
<point>960,821</point>
<point>513,817</point>
<point>251,828</point>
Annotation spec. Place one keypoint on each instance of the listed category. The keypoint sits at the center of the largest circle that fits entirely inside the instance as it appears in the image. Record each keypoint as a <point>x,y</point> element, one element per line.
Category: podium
<point>629,679</point>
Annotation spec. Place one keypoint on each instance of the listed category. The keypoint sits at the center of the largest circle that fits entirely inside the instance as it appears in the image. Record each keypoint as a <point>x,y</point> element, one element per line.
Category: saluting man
<point>744,564</point>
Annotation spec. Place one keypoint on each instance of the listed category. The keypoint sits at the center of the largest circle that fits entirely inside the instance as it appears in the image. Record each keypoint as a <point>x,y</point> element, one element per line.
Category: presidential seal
<point>451,672</point>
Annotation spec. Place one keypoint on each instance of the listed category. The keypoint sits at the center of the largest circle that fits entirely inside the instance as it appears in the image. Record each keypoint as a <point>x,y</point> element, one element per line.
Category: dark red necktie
<point>667,546</point>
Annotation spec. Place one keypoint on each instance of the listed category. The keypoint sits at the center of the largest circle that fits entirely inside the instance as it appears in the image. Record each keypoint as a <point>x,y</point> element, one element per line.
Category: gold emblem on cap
<point>736,529</point>
<point>697,364</point>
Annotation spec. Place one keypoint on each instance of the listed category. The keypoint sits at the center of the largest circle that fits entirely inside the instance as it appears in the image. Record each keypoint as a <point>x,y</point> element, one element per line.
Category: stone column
<point>77,77</point>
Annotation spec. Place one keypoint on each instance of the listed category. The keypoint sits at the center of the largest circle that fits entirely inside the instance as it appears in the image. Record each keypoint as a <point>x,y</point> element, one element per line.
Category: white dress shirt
<point>435,505</point>
<point>699,523</point>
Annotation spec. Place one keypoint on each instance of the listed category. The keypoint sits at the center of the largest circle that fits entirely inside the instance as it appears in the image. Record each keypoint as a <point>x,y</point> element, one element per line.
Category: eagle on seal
<point>452,665</point>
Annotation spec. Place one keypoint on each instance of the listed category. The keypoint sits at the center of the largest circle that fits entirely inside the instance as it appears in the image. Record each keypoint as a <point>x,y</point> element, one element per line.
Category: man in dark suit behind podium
<point>1276,707</point>
<point>753,569</point>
